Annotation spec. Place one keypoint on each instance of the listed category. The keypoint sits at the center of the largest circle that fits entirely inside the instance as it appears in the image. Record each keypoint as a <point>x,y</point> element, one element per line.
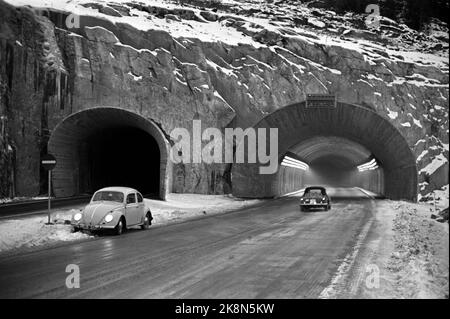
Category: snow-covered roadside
<point>26,233</point>
<point>421,256</point>
<point>20,199</point>
<point>179,207</point>
<point>410,250</point>
<point>29,232</point>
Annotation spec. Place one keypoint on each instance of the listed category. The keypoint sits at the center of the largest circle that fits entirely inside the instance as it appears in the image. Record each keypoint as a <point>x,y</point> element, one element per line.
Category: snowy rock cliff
<point>228,63</point>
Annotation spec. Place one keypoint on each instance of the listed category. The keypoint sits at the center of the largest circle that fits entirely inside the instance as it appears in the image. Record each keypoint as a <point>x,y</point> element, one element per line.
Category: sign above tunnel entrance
<point>321,101</point>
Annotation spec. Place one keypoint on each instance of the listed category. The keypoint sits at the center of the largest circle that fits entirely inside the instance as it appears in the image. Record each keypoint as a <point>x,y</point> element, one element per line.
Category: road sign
<point>327,101</point>
<point>48,162</point>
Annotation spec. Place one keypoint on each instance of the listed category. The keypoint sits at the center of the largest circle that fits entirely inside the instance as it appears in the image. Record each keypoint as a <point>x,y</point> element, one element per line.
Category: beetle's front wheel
<point>119,227</point>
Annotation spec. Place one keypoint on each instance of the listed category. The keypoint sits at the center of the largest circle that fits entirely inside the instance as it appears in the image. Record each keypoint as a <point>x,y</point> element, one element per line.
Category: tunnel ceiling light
<point>295,162</point>
<point>291,162</point>
<point>368,166</point>
<point>294,166</point>
<point>371,165</point>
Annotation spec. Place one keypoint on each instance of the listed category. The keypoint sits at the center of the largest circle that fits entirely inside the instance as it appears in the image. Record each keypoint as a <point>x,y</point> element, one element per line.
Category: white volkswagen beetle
<point>114,208</point>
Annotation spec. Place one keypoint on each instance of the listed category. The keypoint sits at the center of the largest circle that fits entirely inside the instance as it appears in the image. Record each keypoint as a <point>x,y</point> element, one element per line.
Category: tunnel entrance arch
<point>108,146</point>
<point>358,125</point>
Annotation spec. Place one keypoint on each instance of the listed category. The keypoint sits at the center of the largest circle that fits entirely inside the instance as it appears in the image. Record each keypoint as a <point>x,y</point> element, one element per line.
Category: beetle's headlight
<point>108,218</point>
<point>77,216</point>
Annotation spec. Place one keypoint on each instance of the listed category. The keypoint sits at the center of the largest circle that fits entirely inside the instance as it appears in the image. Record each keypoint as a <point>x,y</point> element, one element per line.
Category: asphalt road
<point>269,251</point>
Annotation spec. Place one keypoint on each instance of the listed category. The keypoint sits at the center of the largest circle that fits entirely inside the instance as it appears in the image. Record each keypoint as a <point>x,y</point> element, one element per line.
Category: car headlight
<point>108,218</point>
<point>77,216</point>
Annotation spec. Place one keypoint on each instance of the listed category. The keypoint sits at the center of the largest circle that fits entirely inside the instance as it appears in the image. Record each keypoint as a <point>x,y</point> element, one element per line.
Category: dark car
<point>315,197</point>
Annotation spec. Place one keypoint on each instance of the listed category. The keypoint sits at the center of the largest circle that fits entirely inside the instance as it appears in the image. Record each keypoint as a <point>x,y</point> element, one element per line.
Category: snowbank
<point>404,256</point>
<point>419,262</point>
<point>19,199</point>
<point>30,232</point>
<point>411,251</point>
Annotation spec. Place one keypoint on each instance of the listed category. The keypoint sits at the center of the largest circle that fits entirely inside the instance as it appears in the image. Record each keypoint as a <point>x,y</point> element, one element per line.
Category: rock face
<point>176,64</point>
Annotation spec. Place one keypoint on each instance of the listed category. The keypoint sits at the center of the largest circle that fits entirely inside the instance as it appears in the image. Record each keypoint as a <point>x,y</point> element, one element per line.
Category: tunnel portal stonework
<point>297,123</point>
<point>66,145</point>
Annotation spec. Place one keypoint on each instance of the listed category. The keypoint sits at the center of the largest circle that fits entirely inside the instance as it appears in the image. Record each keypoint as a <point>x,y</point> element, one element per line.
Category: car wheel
<point>75,229</point>
<point>118,230</point>
<point>147,221</point>
<point>329,207</point>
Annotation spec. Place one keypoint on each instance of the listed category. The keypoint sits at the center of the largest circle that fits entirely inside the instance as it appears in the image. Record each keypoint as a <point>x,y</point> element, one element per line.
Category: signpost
<point>49,162</point>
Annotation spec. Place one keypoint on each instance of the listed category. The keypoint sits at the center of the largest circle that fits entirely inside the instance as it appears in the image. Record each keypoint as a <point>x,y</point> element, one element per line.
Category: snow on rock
<point>134,76</point>
<point>392,115</point>
<point>437,162</point>
<point>316,23</point>
<point>419,158</point>
<point>415,121</point>
<point>440,197</point>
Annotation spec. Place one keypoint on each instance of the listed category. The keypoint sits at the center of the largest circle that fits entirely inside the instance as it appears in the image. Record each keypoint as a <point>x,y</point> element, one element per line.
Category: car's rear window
<point>315,191</point>
<point>108,196</point>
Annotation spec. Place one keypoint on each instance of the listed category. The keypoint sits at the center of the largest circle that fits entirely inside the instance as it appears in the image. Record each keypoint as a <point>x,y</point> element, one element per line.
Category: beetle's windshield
<point>109,196</point>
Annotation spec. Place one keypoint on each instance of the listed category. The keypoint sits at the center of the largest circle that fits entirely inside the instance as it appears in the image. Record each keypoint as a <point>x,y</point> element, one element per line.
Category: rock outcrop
<point>227,65</point>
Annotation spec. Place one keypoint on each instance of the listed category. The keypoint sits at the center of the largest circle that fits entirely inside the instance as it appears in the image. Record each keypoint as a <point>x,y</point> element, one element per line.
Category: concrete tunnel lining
<point>323,146</point>
<point>297,124</point>
<point>69,133</point>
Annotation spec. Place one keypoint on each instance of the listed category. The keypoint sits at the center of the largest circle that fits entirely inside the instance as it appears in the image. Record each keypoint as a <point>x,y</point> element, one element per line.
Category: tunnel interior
<point>333,162</point>
<point>120,156</point>
<point>106,146</point>
<point>333,141</point>
<point>330,171</point>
